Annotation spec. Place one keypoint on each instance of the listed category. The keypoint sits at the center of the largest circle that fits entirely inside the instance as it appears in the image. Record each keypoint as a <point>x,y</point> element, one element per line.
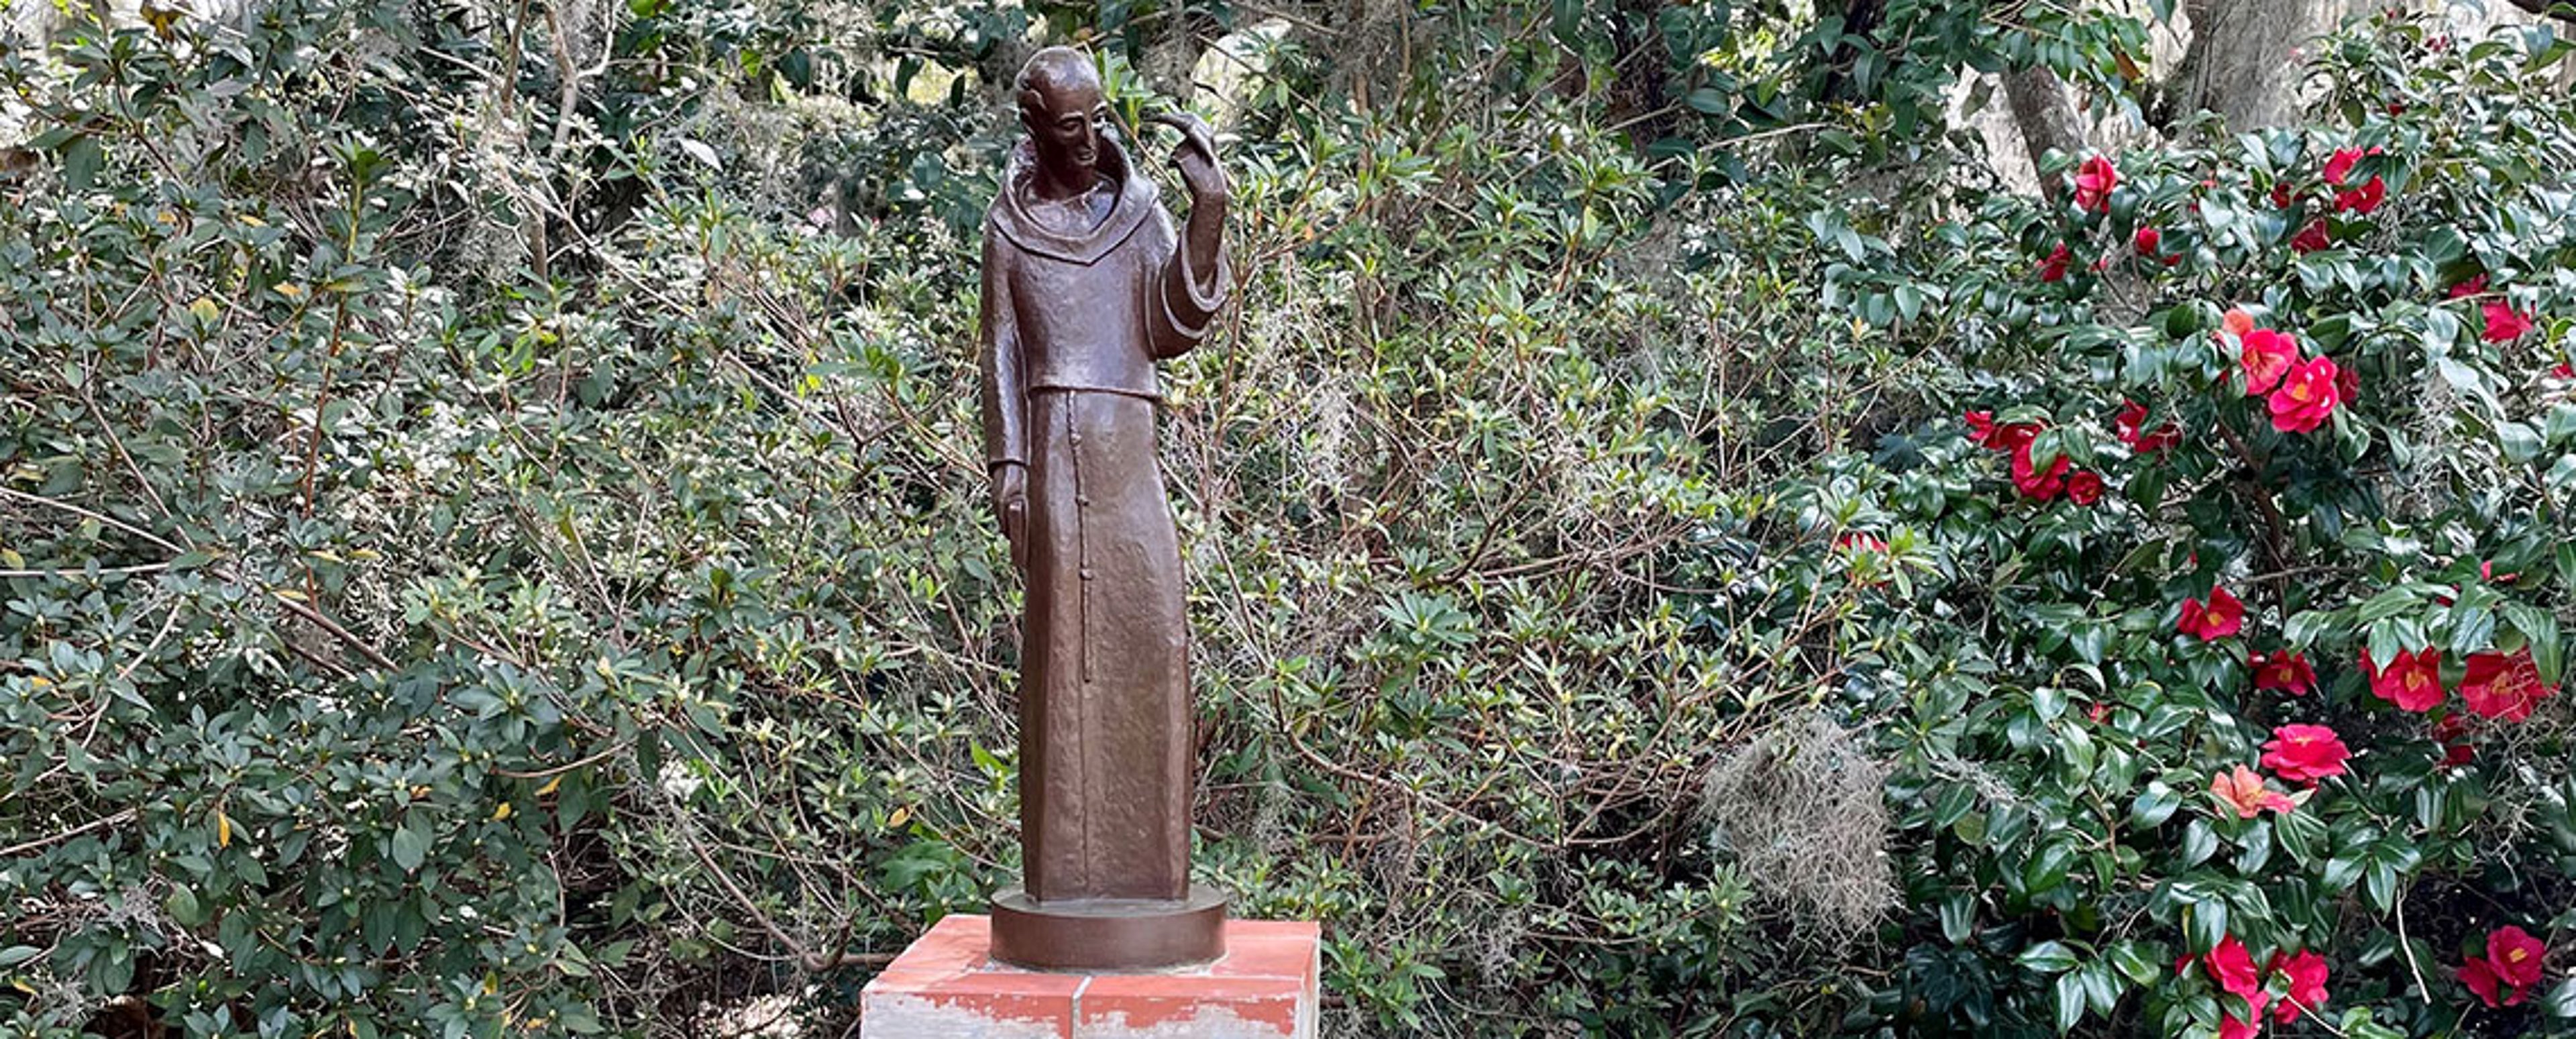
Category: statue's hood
<point>1010,214</point>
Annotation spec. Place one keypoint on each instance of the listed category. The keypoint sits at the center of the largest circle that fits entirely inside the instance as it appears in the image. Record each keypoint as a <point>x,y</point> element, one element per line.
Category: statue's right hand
<point>1011,506</point>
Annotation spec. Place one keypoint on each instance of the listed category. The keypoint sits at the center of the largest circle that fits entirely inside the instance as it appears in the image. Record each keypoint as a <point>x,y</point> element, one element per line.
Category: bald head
<point>1060,105</point>
<point>1057,73</point>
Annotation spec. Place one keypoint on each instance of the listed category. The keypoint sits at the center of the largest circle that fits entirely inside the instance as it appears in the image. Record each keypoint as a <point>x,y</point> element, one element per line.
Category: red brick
<point>947,987</point>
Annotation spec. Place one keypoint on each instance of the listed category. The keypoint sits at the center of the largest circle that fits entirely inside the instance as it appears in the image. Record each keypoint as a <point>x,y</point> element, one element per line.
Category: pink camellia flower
<point>2093,183</point>
<point>2131,425</point>
<point>2033,483</point>
<point>2265,356</point>
<point>2504,324</point>
<point>2053,269</point>
<point>2237,322</point>
<point>2305,398</point>
<point>2565,370</point>
<point>2305,753</point>
<point>2470,287</point>
<point>2306,972</point>
<point>2242,790</point>
<point>2413,681</point>
<point>2224,616</point>
<point>2084,488</point>
<point>2285,671</point>
<point>2503,686</point>
<point>2313,237</point>
<point>2230,1027</point>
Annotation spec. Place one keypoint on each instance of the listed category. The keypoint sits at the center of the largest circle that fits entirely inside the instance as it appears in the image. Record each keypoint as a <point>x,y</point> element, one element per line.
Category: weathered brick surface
<point>947,987</point>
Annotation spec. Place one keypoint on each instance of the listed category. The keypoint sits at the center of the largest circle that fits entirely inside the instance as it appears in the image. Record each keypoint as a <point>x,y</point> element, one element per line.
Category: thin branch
<point>16,850</point>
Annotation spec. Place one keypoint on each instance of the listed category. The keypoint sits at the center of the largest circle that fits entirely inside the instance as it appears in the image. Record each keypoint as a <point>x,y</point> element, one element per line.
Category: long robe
<point>1072,324</point>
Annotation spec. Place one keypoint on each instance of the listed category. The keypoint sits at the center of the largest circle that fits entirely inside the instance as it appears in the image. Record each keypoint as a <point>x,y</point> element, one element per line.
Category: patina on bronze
<point>1085,287</point>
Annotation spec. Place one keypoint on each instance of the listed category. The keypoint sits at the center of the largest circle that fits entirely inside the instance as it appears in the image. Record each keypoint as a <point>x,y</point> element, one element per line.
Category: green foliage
<point>493,542</point>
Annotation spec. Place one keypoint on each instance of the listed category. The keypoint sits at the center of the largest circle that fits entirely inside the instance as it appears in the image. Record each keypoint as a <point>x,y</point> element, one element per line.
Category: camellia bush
<point>2231,658</point>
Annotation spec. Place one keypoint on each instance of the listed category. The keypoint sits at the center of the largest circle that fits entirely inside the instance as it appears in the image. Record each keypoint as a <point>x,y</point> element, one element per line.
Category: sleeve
<point>1184,299</point>
<point>1005,381</point>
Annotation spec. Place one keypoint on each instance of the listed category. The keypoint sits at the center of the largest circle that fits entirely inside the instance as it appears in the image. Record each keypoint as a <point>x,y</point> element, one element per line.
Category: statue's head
<point>1061,107</point>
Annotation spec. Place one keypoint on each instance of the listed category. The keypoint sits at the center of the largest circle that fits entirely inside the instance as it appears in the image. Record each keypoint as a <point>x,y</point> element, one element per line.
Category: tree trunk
<point>2246,60</point>
<point>2044,109</point>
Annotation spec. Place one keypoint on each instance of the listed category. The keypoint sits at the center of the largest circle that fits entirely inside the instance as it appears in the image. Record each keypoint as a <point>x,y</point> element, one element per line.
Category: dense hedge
<point>493,538</point>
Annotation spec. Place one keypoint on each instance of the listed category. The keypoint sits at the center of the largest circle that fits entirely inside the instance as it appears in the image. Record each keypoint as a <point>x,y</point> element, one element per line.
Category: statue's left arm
<point>1194,282</point>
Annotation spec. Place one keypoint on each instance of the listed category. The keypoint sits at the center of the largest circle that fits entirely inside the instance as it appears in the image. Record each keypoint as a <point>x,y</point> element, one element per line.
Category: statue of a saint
<point>1085,286</point>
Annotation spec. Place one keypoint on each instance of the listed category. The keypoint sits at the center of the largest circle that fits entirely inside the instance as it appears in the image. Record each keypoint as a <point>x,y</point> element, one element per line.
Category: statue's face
<point>1065,127</point>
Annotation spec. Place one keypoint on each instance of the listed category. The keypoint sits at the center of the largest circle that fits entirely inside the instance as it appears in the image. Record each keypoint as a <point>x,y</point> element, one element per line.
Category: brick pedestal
<point>948,987</point>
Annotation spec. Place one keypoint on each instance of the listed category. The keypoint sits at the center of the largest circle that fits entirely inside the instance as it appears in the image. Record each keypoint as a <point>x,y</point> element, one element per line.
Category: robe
<point>1071,327</point>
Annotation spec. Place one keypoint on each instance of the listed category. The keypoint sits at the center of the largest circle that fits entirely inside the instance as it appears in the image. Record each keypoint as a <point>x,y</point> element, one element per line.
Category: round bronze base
<point>1109,934</point>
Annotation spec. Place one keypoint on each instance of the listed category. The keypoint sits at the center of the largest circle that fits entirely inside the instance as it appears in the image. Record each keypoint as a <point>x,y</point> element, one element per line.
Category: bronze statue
<point>1085,287</point>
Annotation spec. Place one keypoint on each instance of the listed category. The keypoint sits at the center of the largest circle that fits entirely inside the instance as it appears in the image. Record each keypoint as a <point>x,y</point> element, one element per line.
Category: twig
<point>66,573</point>
<point>14,851</point>
<point>561,769</point>
<point>805,958</point>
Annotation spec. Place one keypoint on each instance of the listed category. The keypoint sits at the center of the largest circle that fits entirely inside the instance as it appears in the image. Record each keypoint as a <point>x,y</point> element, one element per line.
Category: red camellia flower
<point>2364,198</point>
<point>2452,735</point>
<point>2224,616</point>
<point>2470,287</point>
<point>2305,753</point>
<point>2146,241</point>
<point>2084,488</point>
<point>2031,482</point>
<point>2504,324</point>
<point>2502,686</point>
<point>2516,955</point>
<point>2265,356</point>
<point>2413,681</point>
<point>2347,384</point>
<point>2229,1027</point>
<point>2307,976</point>
<point>2054,267</point>
<point>2242,790</point>
<point>2281,196</point>
<point>2231,965</point>
<point>2564,370</point>
<point>2093,183</point>
<point>2481,978</point>
<point>2306,396</point>
<point>2131,424</point>
<point>1983,432</point>
<point>2286,671</point>
<point>2313,237</point>
<point>2503,976</point>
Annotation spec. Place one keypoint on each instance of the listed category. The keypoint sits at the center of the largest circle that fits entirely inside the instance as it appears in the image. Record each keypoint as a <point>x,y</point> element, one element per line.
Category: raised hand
<point>1196,155</point>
